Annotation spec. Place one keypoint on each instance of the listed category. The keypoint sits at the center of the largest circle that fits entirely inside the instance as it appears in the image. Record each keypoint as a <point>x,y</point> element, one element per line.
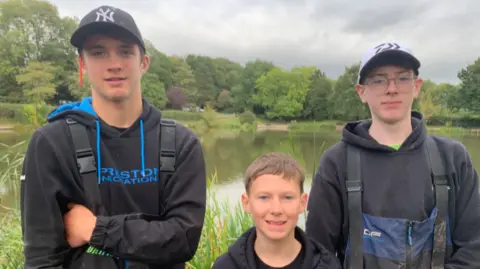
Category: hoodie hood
<point>315,256</point>
<point>82,111</point>
<point>356,134</point>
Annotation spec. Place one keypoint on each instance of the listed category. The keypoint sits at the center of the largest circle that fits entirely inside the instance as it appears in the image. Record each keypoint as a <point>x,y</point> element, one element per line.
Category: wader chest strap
<point>86,165</point>
<point>354,192</point>
<point>440,183</point>
<point>168,154</point>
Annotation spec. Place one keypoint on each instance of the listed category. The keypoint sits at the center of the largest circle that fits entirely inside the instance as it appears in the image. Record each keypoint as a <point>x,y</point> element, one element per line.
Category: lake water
<point>229,156</point>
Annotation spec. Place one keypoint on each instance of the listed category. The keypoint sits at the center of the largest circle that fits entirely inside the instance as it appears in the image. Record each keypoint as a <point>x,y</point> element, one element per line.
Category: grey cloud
<point>376,19</point>
<point>328,34</point>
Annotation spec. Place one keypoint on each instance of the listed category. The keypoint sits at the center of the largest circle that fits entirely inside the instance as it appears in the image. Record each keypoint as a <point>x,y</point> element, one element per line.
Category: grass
<point>313,126</point>
<point>213,121</point>
<point>10,165</point>
<point>11,245</point>
<point>451,130</point>
<point>223,224</point>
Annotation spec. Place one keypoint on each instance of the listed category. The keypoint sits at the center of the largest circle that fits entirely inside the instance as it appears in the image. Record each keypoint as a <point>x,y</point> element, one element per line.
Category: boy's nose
<point>276,207</point>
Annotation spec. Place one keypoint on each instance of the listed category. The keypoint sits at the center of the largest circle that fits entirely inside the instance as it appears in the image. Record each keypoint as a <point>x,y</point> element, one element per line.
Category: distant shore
<point>6,128</point>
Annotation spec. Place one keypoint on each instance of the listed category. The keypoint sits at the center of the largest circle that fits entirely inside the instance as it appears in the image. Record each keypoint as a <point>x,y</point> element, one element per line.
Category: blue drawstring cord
<point>99,159</point>
<point>99,163</point>
<point>142,147</point>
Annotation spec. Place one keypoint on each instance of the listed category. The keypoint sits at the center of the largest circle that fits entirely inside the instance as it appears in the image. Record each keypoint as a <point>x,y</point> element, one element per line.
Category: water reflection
<point>229,156</point>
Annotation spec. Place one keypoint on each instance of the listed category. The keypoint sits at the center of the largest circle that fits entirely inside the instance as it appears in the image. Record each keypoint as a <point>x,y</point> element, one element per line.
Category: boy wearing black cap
<point>108,183</point>
<point>389,195</point>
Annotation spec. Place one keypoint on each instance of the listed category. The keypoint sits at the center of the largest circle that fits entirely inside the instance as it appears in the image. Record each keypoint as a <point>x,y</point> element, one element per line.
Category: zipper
<point>409,244</point>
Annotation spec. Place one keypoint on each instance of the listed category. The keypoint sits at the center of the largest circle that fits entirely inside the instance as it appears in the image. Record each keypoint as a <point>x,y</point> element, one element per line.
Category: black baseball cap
<point>105,20</point>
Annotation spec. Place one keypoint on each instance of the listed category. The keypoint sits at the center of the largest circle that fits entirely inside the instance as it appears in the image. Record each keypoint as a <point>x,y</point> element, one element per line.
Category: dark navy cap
<point>105,20</point>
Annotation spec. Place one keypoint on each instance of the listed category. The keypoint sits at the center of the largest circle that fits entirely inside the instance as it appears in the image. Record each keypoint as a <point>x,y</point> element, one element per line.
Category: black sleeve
<point>41,211</point>
<point>466,235</point>
<point>325,207</point>
<point>174,238</point>
<point>223,262</point>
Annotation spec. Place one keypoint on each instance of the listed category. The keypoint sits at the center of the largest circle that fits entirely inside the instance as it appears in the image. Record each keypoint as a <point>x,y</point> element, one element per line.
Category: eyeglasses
<point>381,82</point>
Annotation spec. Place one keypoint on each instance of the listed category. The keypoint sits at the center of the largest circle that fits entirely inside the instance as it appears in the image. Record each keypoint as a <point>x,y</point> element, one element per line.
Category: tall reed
<point>224,223</point>
<point>11,159</point>
<point>11,245</point>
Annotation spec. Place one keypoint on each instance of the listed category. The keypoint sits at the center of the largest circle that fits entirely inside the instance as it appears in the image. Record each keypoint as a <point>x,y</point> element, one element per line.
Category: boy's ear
<point>245,202</point>
<point>418,86</point>
<point>360,89</point>
<point>303,201</point>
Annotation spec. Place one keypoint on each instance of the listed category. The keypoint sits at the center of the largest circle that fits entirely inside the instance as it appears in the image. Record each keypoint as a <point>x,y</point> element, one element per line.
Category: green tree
<point>184,78</point>
<point>242,93</point>
<point>160,65</point>
<point>224,100</point>
<point>153,90</point>
<point>427,106</point>
<point>317,103</point>
<point>447,96</point>
<point>204,72</point>
<point>32,30</point>
<point>76,90</point>
<point>283,92</point>
<point>36,81</point>
<point>346,103</point>
<point>469,92</point>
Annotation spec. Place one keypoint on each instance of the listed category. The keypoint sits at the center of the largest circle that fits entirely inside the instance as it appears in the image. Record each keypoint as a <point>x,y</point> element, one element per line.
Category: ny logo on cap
<point>106,15</point>
<point>386,46</point>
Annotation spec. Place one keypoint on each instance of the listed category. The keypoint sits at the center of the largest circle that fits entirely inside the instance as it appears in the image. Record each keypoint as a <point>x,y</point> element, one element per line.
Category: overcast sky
<point>329,34</point>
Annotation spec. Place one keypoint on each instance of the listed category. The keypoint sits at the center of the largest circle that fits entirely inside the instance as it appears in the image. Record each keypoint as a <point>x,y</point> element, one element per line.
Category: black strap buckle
<point>354,186</point>
<point>440,181</point>
<point>86,161</point>
<point>168,152</point>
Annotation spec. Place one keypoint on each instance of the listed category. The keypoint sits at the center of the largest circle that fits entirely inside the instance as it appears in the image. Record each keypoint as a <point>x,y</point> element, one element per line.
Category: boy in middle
<point>275,198</point>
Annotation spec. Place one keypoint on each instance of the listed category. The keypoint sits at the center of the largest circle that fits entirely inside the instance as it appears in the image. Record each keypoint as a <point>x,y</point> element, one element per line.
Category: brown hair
<point>275,163</point>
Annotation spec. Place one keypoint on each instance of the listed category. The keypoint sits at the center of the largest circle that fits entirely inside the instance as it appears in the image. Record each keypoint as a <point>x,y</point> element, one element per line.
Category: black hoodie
<point>397,187</point>
<point>241,254</point>
<point>151,221</point>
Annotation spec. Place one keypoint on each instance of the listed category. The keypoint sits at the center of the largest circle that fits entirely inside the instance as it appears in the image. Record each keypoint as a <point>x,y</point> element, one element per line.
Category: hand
<point>79,224</point>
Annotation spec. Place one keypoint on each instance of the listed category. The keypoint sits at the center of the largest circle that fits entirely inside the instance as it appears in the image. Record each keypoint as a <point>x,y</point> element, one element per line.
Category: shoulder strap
<point>86,159</point>
<point>440,183</point>
<point>168,153</point>
<point>354,192</point>
<point>86,165</point>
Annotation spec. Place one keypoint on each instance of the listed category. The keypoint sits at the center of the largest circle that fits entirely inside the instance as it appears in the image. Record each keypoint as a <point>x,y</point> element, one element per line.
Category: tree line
<point>38,64</point>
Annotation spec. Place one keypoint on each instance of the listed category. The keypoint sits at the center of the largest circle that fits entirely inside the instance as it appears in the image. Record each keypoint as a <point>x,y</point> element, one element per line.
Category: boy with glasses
<point>389,195</point>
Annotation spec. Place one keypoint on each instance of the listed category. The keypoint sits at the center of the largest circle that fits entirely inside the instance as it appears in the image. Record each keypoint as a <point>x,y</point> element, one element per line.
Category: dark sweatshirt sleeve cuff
<point>100,232</point>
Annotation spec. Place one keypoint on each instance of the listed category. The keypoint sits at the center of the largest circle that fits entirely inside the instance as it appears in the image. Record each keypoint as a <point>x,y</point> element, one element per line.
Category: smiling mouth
<point>276,222</point>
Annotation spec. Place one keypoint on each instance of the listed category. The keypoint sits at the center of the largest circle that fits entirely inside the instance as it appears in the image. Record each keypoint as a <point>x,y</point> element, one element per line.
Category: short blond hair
<point>275,163</point>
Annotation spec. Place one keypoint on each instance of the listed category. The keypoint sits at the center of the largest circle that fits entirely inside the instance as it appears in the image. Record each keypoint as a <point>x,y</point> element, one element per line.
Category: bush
<point>13,112</point>
<point>182,115</point>
<point>247,117</point>
<point>314,126</point>
<point>456,120</point>
<point>210,117</point>
<point>24,113</point>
